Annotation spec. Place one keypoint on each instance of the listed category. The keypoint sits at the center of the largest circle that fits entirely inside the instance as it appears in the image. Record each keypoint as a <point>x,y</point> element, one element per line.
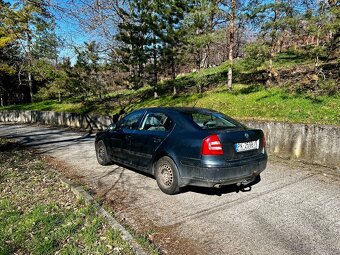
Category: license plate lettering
<point>247,146</point>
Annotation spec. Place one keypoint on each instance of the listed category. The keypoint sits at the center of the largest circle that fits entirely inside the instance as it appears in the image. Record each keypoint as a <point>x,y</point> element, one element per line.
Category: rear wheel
<point>167,175</point>
<point>101,153</point>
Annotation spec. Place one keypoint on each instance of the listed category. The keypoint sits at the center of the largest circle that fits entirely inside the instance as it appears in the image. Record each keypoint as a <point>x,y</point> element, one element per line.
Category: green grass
<point>48,105</point>
<point>291,59</point>
<point>38,215</point>
<point>246,102</point>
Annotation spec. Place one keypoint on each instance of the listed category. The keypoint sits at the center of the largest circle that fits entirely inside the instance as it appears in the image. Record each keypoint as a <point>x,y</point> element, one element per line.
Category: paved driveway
<point>294,209</point>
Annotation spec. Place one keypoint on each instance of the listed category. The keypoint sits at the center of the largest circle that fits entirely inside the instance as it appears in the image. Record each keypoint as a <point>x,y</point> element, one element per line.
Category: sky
<point>71,32</point>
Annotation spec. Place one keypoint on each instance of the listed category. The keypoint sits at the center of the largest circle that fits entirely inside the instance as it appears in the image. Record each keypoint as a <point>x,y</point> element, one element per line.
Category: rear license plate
<point>248,146</point>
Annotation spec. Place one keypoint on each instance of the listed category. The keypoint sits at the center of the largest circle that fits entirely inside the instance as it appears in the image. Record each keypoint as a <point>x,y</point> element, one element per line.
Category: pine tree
<point>275,20</point>
<point>151,34</point>
<point>323,24</point>
<point>135,38</point>
<point>171,31</point>
<point>201,23</point>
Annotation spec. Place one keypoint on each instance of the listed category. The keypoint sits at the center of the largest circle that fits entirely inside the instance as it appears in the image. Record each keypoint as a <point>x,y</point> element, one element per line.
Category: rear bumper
<point>239,172</point>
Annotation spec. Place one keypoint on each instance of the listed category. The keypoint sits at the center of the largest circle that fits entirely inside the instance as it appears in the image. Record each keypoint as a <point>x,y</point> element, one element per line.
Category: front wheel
<point>167,175</point>
<point>101,153</point>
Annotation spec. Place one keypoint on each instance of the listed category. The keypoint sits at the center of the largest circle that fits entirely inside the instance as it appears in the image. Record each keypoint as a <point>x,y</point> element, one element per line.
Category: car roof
<point>182,109</point>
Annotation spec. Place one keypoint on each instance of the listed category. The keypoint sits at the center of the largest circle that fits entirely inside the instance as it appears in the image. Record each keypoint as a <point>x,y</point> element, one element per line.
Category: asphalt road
<point>295,209</point>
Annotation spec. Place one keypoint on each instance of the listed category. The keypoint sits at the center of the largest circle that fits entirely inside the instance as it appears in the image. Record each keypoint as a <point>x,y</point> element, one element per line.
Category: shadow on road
<point>83,138</point>
<point>27,141</point>
<point>223,190</point>
<point>202,190</point>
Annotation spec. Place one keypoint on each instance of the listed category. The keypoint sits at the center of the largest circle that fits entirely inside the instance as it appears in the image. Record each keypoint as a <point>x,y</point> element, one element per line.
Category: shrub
<point>255,55</point>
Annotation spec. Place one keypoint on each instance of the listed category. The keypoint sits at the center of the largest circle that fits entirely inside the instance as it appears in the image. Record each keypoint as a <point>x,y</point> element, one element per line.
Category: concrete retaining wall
<point>57,119</point>
<point>316,144</point>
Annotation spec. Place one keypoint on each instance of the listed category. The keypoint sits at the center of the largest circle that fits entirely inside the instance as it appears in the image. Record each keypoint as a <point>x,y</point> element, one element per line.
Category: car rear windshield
<point>210,120</point>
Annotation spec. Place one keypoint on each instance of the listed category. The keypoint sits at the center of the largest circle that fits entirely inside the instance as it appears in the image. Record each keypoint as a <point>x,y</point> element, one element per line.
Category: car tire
<point>101,153</point>
<point>167,177</point>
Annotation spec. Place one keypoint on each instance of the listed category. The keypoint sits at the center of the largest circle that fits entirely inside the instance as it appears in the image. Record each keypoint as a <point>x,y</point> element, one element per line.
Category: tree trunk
<point>173,73</point>
<point>238,41</point>
<point>203,63</point>
<point>29,56</point>
<point>273,42</point>
<point>155,74</point>
<point>173,69</point>
<point>1,101</point>
<point>198,59</point>
<point>207,56</point>
<point>317,55</point>
<point>30,85</point>
<point>231,43</point>
<point>199,88</point>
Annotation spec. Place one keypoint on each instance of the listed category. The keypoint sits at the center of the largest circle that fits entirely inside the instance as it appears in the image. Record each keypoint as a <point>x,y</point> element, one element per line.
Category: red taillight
<point>212,146</point>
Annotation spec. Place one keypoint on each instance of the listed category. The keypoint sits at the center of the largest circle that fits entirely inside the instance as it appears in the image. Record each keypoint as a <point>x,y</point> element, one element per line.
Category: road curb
<point>81,193</point>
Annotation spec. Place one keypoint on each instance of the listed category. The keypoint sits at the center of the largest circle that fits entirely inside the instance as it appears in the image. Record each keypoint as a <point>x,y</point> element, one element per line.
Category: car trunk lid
<point>241,144</point>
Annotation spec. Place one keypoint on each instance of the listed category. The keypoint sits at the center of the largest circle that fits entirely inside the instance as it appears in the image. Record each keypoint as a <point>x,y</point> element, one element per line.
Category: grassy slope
<point>38,215</point>
<point>271,104</point>
<point>244,102</point>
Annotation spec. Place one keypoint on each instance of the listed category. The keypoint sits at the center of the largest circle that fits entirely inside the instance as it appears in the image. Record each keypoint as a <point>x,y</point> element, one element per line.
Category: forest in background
<point>150,44</point>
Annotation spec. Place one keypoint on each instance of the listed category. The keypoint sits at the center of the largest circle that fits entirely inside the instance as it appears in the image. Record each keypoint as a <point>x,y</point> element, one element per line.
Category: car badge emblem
<point>246,135</point>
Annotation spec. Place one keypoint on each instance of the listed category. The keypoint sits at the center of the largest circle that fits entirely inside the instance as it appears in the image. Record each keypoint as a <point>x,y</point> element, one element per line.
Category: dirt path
<point>293,210</point>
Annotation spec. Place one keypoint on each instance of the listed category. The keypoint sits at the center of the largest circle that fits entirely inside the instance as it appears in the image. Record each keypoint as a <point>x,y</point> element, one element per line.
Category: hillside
<point>297,93</point>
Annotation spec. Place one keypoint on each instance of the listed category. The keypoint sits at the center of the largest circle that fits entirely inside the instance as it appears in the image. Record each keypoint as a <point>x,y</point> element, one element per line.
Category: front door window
<point>130,121</point>
<point>156,122</point>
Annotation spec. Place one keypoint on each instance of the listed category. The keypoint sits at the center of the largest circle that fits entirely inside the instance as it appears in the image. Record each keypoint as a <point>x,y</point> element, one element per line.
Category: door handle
<point>157,140</point>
